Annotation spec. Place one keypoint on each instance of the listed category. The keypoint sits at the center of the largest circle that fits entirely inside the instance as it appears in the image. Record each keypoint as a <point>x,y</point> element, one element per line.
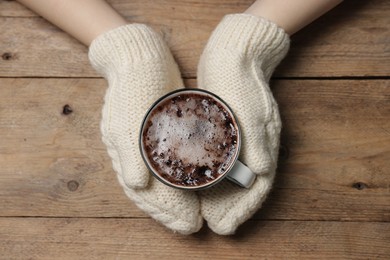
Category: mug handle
<point>241,175</point>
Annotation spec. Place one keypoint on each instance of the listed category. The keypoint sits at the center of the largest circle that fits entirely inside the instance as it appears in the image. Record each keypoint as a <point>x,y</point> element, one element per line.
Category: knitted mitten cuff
<point>126,45</point>
<point>254,37</point>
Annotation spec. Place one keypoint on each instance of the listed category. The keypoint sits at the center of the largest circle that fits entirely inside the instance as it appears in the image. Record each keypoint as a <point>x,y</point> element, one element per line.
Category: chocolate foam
<point>190,139</point>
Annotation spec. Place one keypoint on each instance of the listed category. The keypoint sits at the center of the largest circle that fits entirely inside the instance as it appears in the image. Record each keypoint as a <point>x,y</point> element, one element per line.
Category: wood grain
<point>62,238</point>
<point>351,40</point>
<point>333,163</point>
<point>60,199</point>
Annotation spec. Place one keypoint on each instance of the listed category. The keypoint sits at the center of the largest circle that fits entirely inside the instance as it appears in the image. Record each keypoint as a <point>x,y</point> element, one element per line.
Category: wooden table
<point>59,197</point>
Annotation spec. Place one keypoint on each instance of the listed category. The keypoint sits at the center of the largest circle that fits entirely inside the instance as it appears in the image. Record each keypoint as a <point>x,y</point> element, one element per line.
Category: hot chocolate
<point>190,139</point>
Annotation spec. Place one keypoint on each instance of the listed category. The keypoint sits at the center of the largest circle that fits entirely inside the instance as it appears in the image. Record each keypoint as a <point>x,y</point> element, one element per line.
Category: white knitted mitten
<point>237,64</point>
<point>139,69</point>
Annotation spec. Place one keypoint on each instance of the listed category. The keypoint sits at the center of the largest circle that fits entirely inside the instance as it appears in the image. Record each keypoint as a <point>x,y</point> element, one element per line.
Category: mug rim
<point>146,160</point>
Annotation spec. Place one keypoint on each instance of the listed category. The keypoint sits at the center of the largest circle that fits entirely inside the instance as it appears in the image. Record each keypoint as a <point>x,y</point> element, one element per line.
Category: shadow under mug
<point>235,171</point>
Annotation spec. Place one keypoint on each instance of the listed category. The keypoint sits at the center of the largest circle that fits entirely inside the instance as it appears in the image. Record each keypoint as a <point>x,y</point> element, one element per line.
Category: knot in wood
<point>66,110</point>
<point>6,56</point>
<point>359,185</point>
<point>73,185</point>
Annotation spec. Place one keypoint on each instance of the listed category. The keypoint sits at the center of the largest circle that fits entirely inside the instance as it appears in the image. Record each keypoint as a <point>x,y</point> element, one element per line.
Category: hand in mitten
<point>237,64</point>
<point>139,69</point>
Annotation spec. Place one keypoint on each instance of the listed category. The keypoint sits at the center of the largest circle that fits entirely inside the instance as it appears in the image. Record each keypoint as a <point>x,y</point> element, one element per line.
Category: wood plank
<point>351,40</point>
<point>335,144</point>
<point>333,166</point>
<point>46,154</point>
<point>48,238</point>
<point>10,8</point>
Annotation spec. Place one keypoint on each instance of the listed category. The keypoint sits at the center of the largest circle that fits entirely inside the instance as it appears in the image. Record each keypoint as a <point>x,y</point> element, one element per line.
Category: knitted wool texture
<point>237,64</point>
<point>139,69</point>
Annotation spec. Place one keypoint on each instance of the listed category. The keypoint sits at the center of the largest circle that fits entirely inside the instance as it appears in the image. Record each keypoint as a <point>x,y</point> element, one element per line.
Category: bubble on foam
<point>208,173</point>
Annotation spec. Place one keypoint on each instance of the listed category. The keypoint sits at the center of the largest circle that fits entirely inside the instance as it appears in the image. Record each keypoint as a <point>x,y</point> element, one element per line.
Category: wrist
<point>291,15</point>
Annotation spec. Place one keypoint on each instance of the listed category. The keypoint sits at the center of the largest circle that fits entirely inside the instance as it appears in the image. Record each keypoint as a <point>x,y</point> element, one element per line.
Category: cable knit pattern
<point>139,69</point>
<point>237,64</point>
